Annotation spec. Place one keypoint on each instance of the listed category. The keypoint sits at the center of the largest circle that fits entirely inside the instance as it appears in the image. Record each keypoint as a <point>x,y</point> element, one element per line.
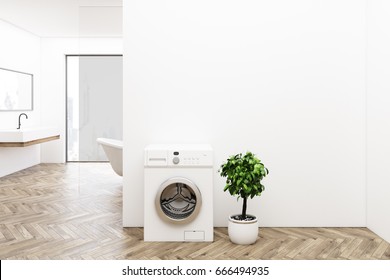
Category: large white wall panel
<point>378,104</point>
<point>284,79</point>
<point>20,51</point>
<point>53,100</point>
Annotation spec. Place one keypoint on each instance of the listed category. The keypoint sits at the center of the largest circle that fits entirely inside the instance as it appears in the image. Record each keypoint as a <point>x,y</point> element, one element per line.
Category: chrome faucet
<point>19,118</point>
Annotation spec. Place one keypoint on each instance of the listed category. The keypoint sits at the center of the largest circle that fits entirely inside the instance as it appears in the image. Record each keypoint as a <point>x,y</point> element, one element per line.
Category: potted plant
<point>243,179</point>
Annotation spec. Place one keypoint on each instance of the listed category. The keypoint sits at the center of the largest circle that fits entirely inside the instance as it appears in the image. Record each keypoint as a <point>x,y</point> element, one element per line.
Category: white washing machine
<point>178,193</point>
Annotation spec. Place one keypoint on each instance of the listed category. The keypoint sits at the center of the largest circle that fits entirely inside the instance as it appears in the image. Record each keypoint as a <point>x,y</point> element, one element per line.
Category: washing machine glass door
<point>178,200</point>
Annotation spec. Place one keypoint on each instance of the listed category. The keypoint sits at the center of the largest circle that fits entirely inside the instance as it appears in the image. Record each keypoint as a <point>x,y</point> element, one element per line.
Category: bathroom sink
<point>27,134</point>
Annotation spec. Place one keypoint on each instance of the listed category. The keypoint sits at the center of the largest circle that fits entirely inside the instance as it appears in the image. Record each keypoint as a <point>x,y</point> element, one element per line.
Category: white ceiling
<point>65,18</point>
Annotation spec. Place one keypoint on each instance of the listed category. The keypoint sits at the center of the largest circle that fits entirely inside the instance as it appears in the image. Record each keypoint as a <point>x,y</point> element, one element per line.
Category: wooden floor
<point>74,211</point>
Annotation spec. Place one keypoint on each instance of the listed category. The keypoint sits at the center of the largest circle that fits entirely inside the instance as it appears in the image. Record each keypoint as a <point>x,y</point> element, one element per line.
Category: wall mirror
<point>16,90</point>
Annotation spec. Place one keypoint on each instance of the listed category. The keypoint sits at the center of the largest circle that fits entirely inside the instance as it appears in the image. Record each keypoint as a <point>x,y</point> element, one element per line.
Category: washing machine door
<point>178,200</point>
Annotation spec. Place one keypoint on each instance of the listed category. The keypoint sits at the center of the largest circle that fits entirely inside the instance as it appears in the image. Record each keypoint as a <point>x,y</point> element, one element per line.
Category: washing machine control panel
<point>182,155</point>
<point>190,158</point>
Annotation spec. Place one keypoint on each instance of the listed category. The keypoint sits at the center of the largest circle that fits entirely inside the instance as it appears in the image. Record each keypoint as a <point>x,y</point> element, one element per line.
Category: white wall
<point>378,121</point>
<point>20,51</point>
<point>53,90</point>
<point>284,79</point>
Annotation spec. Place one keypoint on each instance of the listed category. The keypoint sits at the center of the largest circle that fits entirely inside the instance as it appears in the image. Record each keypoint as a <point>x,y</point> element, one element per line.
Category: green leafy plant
<point>243,177</point>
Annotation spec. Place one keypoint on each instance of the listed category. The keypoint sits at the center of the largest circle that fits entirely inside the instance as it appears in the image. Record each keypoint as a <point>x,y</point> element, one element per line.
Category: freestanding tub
<point>113,150</point>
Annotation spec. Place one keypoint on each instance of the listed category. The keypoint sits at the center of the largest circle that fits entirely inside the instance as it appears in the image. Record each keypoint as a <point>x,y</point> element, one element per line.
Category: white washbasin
<point>27,134</point>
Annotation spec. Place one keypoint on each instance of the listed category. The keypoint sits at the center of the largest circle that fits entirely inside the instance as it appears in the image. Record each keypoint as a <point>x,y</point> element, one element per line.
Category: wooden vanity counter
<point>29,143</point>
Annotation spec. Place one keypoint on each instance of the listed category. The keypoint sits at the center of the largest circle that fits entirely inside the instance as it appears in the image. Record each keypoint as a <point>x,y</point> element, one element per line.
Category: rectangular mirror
<point>16,90</point>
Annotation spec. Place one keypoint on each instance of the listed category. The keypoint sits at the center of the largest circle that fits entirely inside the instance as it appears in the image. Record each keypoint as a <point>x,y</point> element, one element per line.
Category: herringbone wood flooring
<point>74,211</point>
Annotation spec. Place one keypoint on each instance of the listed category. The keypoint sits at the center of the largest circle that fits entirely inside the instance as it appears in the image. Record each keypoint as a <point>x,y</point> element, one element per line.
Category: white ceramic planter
<point>243,232</point>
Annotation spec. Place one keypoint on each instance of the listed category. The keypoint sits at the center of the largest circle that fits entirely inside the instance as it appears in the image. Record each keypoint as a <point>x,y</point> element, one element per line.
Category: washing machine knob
<point>176,160</point>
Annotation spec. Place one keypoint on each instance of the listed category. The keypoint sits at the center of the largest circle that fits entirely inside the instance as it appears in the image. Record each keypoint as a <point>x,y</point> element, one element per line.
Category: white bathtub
<point>113,149</point>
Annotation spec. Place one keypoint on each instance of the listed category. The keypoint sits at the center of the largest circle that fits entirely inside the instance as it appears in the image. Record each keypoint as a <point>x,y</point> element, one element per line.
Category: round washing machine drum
<point>178,200</point>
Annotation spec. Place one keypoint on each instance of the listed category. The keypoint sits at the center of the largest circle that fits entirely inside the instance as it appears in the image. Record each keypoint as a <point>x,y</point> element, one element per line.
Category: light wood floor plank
<point>378,253</point>
<point>74,211</point>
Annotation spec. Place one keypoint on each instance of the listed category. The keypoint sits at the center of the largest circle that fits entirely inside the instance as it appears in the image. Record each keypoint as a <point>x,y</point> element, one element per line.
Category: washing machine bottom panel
<point>196,231</point>
<point>181,235</point>
<point>199,229</point>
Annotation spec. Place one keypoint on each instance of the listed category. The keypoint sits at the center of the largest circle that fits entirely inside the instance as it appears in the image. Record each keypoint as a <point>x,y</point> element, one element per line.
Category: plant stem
<point>243,215</point>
